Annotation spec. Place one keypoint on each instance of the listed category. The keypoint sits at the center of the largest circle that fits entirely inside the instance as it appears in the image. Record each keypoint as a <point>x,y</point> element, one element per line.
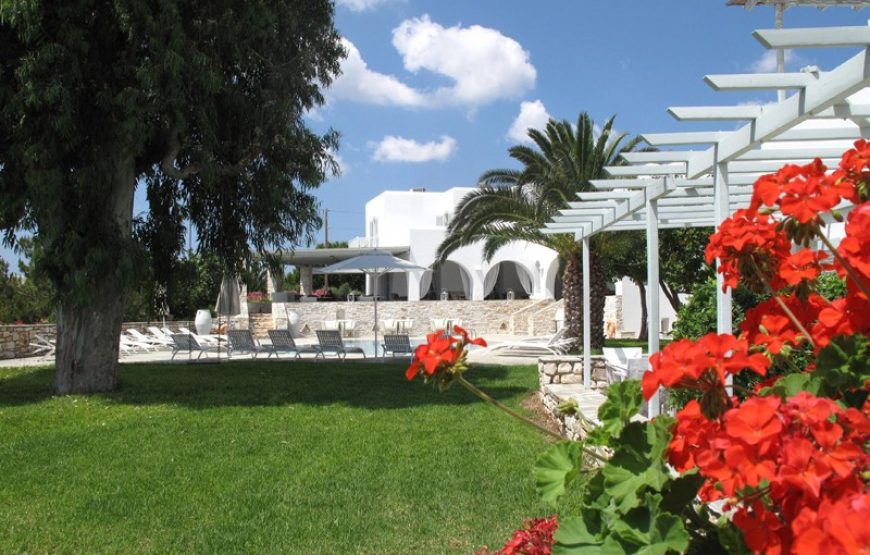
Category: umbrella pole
<point>375,289</point>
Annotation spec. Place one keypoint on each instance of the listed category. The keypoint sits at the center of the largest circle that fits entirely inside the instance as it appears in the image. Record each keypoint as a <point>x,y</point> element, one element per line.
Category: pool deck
<point>475,356</point>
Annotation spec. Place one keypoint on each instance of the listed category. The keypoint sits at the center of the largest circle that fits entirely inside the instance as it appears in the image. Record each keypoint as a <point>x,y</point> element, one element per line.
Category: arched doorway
<point>508,279</point>
<point>448,279</point>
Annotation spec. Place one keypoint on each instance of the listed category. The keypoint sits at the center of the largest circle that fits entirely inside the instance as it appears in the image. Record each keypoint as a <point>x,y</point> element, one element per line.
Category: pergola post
<point>587,324</point>
<point>721,211</point>
<point>653,325</point>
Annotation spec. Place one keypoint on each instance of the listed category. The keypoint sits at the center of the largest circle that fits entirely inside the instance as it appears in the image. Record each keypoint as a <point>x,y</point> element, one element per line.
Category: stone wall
<point>483,317</point>
<point>15,340</point>
<point>561,379</point>
<point>568,369</point>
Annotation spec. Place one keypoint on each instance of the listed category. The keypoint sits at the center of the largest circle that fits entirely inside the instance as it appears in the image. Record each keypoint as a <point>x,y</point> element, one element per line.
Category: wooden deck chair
<point>330,342</point>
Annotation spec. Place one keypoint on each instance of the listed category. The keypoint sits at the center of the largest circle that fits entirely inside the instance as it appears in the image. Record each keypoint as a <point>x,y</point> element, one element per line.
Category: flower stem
<point>480,394</point>
<point>780,302</point>
<point>849,269</point>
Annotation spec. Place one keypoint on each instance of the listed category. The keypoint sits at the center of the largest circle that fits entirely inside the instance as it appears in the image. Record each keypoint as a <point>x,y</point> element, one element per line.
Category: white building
<point>417,219</point>
<point>415,222</point>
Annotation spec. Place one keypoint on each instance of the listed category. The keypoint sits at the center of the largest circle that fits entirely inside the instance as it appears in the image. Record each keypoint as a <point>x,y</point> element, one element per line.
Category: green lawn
<point>263,457</point>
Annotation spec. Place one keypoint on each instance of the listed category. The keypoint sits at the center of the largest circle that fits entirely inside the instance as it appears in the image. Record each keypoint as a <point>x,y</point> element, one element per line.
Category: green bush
<point>697,317</point>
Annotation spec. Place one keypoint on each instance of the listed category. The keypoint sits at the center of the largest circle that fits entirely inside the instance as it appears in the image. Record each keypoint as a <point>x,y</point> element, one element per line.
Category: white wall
<point>631,311</point>
<point>412,219</point>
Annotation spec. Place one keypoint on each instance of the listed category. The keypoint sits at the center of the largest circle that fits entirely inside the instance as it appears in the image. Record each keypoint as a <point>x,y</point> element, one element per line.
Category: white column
<point>414,278</point>
<point>587,324</point>
<point>721,209</point>
<point>652,290</point>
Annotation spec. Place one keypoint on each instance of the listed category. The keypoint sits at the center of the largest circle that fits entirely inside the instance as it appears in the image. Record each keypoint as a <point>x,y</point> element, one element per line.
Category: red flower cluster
<point>441,352</point>
<point>534,538</point>
<point>802,192</point>
<point>784,466</point>
<point>853,247</point>
<point>767,325</point>
<point>702,364</point>
<point>748,239</point>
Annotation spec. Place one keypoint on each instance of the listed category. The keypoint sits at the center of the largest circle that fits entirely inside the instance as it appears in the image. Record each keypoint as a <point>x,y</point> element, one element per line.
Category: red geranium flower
<point>437,353</point>
<point>744,241</point>
<point>805,264</point>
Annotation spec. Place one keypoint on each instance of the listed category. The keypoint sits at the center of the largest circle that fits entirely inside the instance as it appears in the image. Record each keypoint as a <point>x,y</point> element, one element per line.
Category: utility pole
<point>325,242</point>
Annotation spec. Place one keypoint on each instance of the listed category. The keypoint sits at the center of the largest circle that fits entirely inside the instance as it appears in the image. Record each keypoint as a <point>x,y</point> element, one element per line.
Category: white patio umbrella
<point>228,303</point>
<point>374,263</point>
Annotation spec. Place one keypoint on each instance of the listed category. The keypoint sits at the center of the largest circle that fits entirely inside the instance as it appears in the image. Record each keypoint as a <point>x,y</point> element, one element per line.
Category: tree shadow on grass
<point>271,383</point>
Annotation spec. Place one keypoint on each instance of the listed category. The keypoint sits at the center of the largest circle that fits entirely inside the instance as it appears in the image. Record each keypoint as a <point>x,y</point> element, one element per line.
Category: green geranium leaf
<point>844,367</point>
<point>638,463</point>
<point>653,531</point>
<point>555,469</point>
<point>624,400</point>
<point>731,538</point>
<point>680,493</point>
<point>792,384</point>
<point>574,530</point>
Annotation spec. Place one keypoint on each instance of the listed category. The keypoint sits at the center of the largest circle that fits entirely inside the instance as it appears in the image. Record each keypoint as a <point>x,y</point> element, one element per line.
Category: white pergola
<point>701,187</point>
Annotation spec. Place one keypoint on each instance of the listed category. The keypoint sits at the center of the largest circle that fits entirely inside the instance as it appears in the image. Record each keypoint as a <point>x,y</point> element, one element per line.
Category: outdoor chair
<point>42,346</point>
<point>330,342</point>
<point>133,345</point>
<point>159,336</point>
<point>187,342</point>
<point>555,344</point>
<point>623,363</point>
<point>398,344</point>
<point>243,341</point>
<point>282,341</point>
<point>142,338</point>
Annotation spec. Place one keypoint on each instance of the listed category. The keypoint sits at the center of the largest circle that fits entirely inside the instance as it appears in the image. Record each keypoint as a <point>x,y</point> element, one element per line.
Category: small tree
<point>201,102</point>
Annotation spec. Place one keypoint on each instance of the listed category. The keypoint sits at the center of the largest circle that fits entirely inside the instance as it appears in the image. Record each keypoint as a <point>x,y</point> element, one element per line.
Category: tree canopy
<point>199,101</point>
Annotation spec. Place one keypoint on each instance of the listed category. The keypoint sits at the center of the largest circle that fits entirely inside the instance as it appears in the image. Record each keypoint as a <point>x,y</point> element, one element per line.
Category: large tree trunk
<point>644,329</point>
<point>598,294</point>
<point>572,294</point>
<point>88,334</point>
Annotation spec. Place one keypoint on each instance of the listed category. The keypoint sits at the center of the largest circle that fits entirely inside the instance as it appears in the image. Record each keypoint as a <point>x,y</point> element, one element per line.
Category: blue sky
<point>434,92</point>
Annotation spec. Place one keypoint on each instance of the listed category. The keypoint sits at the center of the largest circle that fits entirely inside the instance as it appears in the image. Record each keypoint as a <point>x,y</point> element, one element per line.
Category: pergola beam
<point>817,37</point>
<point>830,89</point>
<point>714,113</point>
<point>759,81</point>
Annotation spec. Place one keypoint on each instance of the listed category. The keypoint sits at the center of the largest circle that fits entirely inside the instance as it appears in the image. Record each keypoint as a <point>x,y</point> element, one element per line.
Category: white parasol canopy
<point>373,263</point>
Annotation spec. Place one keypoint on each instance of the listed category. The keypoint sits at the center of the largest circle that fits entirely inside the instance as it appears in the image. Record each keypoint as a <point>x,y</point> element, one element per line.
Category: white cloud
<point>358,82</point>
<point>767,62</point>
<point>400,149</point>
<point>533,115</point>
<point>484,64</point>
<point>360,5</point>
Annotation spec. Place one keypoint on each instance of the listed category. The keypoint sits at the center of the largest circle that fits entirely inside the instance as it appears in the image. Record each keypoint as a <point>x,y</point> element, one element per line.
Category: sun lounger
<point>330,342</point>
<point>283,342</point>
<point>397,344</point>
<point>555,344</point>
<point>137,335</point>
<point>243,341</point>
<point>132,344</point>
<point>42,346</point>
<point>187,342</point>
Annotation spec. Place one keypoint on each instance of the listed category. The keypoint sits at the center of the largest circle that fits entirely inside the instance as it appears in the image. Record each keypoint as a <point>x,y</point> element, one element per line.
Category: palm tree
<point>512,205</point>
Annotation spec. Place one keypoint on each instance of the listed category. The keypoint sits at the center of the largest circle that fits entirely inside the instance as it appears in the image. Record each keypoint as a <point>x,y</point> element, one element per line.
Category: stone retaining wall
<point>568,369</point>
<point>483,317</point>
<point>15,340</point>
<point>561,378</point>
